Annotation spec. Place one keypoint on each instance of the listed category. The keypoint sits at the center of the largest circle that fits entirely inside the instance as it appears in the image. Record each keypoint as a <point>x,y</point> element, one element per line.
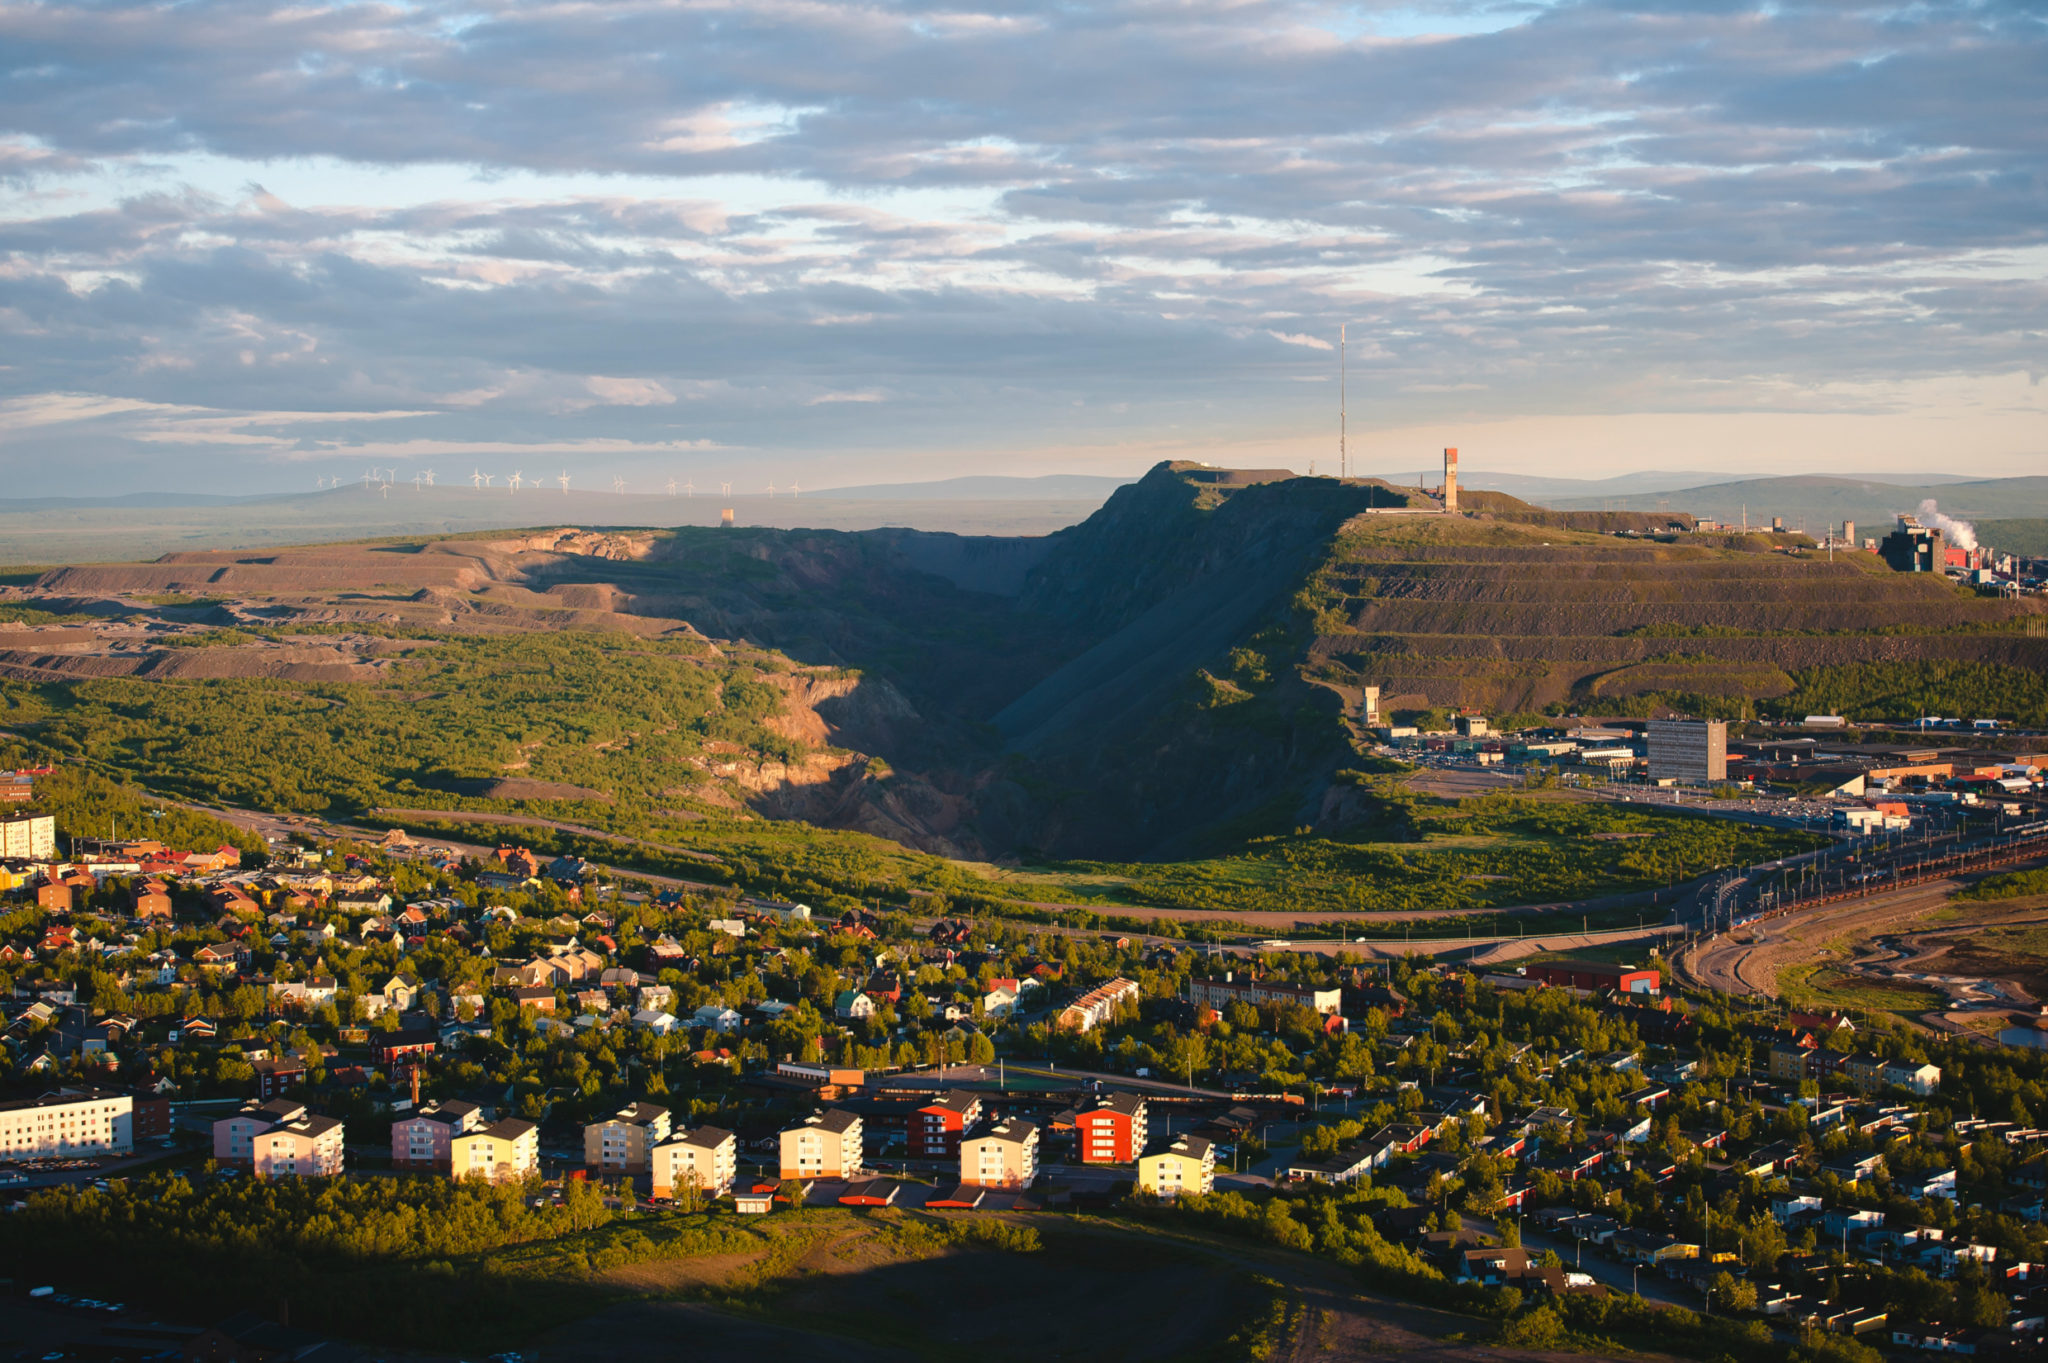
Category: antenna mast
<point>1343,455</point>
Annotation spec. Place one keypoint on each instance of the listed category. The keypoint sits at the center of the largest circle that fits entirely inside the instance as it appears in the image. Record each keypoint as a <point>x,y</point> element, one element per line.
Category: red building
<point>1111,1129</point>
<point>151,1118</point>
<point>1623,979</point>
<point>409,1044</point>
<point>936,1128</point>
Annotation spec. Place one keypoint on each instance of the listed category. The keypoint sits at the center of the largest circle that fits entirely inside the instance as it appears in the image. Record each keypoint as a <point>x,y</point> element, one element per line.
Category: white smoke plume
<point>1959,534</point>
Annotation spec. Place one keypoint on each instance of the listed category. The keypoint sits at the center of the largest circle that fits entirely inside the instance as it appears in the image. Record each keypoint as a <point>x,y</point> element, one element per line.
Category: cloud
<point>1104,227</point>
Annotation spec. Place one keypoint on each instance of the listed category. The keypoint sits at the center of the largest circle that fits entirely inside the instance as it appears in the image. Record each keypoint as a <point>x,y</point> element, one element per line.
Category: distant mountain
<point>1818,502</point>
<point>985,488</point>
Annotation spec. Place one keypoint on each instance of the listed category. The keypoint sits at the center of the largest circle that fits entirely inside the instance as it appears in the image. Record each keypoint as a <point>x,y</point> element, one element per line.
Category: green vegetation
<point>1894,690</point>
<point>2016,536</point>
<point>2007,885</point>
<point>1474,855</point>
<point>86,804</point>
<point>1823,987</point>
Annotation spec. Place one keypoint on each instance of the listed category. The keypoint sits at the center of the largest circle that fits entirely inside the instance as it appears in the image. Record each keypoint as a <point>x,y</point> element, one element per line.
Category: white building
<point>66,1124</point>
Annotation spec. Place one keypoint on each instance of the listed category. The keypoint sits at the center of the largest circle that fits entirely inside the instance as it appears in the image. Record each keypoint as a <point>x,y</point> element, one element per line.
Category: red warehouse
<point>1624,979</point>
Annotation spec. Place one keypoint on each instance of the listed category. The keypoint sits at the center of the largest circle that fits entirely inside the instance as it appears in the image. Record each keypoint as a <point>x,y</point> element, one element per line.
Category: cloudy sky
<point>250,245</point>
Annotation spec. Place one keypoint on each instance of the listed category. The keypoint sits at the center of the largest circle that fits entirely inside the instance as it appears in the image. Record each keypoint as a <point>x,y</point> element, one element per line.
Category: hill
<point>1815,503</point>
<point>2016,536</point>
<point>1175,674</point>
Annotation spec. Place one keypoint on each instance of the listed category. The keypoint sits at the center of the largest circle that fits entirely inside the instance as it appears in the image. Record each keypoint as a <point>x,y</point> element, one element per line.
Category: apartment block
<point>936,1128</point>
<point>1220,994</point>
<point>823,1145</point>
<point>619,1144</point>
<point>1186,1166</point>
<point>706,1159</point>
<point>280,1139</point>
<point>67,1123</point>
<point>1111,1129</point>
<point>1001,1156</point>
<point>506,1151</point>
<point>425,1140</point>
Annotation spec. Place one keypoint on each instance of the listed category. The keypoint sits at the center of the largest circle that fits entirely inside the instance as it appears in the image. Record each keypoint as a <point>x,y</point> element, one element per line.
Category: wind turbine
<point>725,489</point>
<point>619,485</point>
<point>476,481</point>
<point>671,487</point>
<point>517,480</point>
<point>385,488</point>
<point>689,489</point>
<point>320,480</point>
<point>490,478</point>
<point>430,477</point>
<point>794,489</point>
<point>563,479</point>
<point>771,492</point>
<point>415,482</point>
<point>367,475</point>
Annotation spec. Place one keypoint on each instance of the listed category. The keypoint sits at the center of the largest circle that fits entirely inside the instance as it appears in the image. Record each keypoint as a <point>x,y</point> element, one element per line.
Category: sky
<point>257,247</point>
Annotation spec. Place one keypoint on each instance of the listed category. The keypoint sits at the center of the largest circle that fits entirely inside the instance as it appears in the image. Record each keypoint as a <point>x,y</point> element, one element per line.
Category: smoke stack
<point>725,517</point>
<point>415,1088</point>
<point>1450,480</point>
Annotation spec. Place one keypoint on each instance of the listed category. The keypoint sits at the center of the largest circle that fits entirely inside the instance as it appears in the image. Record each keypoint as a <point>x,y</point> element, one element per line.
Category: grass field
<point>1824,986</point>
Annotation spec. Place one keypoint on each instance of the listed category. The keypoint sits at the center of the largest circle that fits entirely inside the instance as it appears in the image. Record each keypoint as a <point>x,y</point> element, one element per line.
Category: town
<point>1562,1134</point>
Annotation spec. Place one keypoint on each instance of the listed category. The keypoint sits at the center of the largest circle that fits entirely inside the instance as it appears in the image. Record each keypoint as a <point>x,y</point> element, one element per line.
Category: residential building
<point>1186,1166</point>
<point>506,1151</point>
<point>1220,994</point>
<point>1789,1062</point>
<point>277,1075</point>
<point>619,1143</point>
<point>31,837</point>
<point>706,1159</point>
<point>1097,1006</point>
<point>426,1139</point>
<point>1001,1156</point>
<point>279,1138</point>
<point>823,1145</point>
<point>1111,1129</point>
<point>852,1006</point>
<point>936,1128</point>
<point>1914,1076</point>
<point>67,1123</point>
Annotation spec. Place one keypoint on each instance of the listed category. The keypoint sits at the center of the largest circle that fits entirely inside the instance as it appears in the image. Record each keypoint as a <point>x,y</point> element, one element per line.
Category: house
<point>706,1159</point>
<point>936,1128</point>
<point>1914,1076</point>
<point>540,998</point>
<point>718,1018</point>
<point>417,1038</point>
<point>852,1005</point>
<point>619,1143</point>
<point>277,1075</point>
<point>1001,1156</point>
<point>1854,1168</point>
<point>280,1138</point>
<point>1220,994</point>
<point>1111,1129</point>
<point>1097,1006</point>
<point>656,1021</point>
<point>400,993</point>
<point>1186,1166</point>
<point>425,1140</point>
<point>506,1151</point>
<point>822,1145</point>
<point>1493,1267</point>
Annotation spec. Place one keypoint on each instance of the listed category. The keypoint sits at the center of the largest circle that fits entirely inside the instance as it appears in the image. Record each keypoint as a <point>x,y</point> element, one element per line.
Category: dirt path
<point>1748,964</point>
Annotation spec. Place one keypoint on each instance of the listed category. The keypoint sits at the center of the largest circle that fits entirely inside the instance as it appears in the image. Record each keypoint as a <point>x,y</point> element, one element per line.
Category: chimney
<point>1451,480</point>
<point>415,1088</point>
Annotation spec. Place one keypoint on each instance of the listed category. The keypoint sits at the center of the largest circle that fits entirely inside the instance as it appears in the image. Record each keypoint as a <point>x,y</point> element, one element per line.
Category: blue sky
<point>259,246</point>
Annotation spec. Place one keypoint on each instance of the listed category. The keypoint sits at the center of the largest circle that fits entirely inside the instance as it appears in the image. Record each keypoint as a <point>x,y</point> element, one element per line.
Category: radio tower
<point>1343,455</point>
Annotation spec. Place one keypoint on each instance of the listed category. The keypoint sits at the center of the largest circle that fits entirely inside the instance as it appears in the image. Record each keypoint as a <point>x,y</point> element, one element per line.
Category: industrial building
<point>1688,749</point>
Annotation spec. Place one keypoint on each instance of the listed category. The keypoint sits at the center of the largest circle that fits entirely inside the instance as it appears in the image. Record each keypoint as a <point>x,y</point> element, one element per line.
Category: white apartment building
<point>66,1124</point>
